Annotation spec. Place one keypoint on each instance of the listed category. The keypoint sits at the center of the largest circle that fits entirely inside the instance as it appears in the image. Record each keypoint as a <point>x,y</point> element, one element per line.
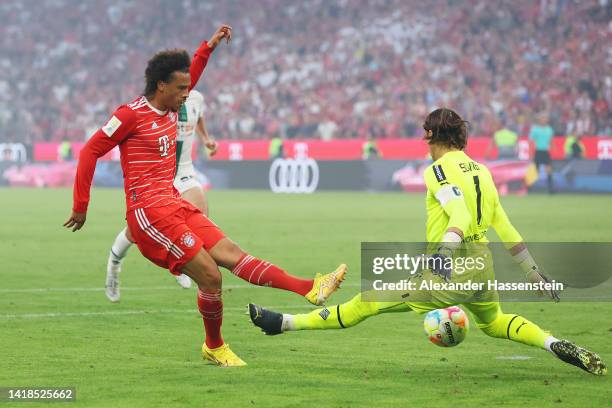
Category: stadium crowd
<point>313,68</point>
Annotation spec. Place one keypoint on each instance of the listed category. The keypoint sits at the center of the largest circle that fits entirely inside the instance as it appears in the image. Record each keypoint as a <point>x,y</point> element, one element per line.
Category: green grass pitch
<point>58,329</point>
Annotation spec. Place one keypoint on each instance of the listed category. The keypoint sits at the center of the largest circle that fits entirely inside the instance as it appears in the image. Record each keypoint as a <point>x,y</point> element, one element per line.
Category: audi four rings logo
<point>294,176</point>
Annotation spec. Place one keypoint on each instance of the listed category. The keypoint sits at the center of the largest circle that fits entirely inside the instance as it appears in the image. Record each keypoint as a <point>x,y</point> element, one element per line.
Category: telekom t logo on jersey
<point>164,145</point>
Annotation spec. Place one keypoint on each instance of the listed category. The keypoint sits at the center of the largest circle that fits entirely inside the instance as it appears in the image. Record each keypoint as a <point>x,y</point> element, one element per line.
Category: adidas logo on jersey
<point>154,126</point>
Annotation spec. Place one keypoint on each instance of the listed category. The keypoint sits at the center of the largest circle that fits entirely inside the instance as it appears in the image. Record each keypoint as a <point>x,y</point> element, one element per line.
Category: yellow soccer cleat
<point>222,356</point>
<point>580,357</point>
<point>325,285</point>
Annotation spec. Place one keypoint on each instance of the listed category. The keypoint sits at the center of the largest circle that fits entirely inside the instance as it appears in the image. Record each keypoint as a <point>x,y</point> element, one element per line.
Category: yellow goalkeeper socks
<point>340,316</point>
<point>517,328</point>
<point>333,317</point>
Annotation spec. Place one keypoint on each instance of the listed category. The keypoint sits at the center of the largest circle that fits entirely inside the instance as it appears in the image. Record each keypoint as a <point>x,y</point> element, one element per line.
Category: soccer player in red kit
<point>169,231</point>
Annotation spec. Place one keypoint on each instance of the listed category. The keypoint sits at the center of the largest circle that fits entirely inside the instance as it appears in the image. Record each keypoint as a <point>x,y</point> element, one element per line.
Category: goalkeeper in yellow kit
<point>462,203</point>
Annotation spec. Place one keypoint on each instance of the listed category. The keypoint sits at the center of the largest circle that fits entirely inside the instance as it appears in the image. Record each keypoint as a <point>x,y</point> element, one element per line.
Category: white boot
<point>184,281</point>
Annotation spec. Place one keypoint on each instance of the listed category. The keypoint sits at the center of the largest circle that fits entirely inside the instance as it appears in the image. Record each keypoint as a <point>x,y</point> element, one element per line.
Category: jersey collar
<point>154,109</point>
<point>451,153</point>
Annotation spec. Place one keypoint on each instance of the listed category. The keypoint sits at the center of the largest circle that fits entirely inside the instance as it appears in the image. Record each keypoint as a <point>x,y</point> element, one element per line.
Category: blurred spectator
<point>506,142</point>
<point>276,149</point>
<point>574,148</point>
<point>574,151</point>
<point>371,67</point>
<point>370,150</point>
<point>327,129</point>
<point>64,151</point>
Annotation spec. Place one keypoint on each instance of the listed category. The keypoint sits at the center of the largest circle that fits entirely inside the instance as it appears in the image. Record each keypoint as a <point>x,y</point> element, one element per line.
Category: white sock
<point>550,340</point>
<point>120,246</point>
<point>288,323</point>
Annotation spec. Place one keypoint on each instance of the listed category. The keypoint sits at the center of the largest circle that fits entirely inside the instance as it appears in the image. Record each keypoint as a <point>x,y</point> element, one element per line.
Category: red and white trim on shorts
<point>155,235</point>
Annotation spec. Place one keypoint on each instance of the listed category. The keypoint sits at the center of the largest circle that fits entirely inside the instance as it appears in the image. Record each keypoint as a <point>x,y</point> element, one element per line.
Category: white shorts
<point>185,178</point>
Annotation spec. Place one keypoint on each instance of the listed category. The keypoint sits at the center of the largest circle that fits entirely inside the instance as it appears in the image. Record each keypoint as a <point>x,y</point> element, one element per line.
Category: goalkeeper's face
<point>176,91</point>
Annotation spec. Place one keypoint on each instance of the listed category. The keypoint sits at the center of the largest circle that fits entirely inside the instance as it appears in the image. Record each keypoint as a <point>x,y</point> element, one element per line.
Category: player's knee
<point>201,205</point>
<point>227,253</point>
<point>355,311</point>
<point>128,235</point>
<point>489,329</point>
<point>211,278</point>
<point>204,271</point>
<point>498,327</point>
<point>234,251</point>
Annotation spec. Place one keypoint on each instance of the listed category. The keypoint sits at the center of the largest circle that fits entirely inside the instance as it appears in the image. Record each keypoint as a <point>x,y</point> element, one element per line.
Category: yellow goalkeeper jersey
<point>461,194</point>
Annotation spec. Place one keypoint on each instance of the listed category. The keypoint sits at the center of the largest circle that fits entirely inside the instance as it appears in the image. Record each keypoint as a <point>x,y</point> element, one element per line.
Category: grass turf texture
<point>144,352</point>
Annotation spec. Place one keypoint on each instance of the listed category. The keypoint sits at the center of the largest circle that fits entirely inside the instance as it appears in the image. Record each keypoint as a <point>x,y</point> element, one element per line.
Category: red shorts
<point>172,235</point>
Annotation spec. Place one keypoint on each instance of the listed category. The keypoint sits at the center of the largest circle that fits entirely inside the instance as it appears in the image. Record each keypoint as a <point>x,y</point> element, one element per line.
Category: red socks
<point>252,270</point>
<point>263,273</point>
<point>211,308</point>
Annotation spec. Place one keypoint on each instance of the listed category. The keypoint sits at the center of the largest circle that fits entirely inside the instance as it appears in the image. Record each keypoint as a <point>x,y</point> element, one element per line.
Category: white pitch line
<point>134,289</point>
<point>520,358</point>
<point>133,312</point>
<point>100,289</point>
<point>86,314</point>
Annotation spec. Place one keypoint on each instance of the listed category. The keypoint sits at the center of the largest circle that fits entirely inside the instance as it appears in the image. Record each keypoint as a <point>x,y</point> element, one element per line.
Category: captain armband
<point>448,193</point>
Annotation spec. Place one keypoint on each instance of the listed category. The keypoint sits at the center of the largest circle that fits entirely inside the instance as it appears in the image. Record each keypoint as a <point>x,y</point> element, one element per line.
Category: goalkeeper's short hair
<point>447,128</point>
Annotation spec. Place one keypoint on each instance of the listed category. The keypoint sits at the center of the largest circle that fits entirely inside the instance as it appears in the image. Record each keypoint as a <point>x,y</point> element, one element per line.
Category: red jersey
<point>147,142</point>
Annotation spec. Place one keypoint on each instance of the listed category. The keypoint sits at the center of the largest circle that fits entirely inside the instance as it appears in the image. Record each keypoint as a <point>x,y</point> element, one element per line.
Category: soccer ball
<point>446,327</point>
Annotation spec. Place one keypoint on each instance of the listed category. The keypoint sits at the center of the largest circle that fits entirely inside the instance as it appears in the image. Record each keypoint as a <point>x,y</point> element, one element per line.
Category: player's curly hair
<point>447,128</point>
<point>161,67</point>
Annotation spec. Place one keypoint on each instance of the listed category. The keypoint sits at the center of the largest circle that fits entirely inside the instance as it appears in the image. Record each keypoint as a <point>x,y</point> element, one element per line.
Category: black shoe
<point>268,321</point>
<point>582,358</point>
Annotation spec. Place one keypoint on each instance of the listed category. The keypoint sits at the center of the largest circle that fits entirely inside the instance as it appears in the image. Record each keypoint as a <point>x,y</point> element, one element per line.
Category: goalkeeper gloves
<point>440,263</point>
<point>535,276</point>
<point>533,273</point>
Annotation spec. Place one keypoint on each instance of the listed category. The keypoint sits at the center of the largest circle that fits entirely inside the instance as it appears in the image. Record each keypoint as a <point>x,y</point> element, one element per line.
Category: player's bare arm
<point>210,143</point>
<point>225,31</point>
<point>76,221</point>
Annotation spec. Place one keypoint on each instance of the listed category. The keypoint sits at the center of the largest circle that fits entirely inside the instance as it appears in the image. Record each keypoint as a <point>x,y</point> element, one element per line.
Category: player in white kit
<point>191,120</point>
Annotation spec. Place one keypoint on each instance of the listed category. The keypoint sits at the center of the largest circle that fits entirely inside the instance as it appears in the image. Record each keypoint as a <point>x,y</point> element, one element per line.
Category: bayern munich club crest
<point>188,240</point>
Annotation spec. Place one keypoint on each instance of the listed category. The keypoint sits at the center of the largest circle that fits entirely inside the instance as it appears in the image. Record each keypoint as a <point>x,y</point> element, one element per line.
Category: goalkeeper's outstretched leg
<point>488,315</point>
<point>493,322</point>
<point>333,317</point>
